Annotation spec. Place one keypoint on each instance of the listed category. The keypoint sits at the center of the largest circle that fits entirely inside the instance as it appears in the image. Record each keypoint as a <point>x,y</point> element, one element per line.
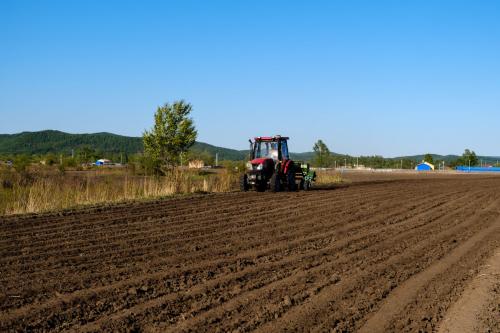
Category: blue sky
<point>367,77</point>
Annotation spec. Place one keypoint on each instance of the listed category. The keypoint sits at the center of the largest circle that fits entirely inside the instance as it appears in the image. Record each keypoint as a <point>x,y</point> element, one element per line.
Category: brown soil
<point>478,309</point>
<point>380,256</point>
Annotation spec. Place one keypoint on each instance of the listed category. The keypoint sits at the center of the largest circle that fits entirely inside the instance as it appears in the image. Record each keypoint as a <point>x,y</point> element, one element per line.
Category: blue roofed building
<point>424,166</point>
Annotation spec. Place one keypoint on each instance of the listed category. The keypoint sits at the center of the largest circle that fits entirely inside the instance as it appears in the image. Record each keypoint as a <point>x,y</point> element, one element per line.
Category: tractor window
<point>266,149</point>
<point>284,150</point>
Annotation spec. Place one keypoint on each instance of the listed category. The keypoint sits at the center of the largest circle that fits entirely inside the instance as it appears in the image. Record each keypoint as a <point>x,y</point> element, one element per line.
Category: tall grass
<point>46,189</point>
<point>53,191</point>
<point>328,177</point>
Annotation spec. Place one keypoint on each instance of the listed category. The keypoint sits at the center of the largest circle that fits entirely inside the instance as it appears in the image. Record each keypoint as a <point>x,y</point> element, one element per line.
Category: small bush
<point>21,163</point>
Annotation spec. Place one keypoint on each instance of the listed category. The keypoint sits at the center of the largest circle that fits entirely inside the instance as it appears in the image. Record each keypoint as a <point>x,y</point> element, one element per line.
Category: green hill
<point>59,142</point>
<point>224,153</point>
<point>50,141</point>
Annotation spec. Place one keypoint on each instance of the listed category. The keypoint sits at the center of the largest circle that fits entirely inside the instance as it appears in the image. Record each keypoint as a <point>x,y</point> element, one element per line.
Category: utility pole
<point>72,153</point>
<point>216,159</point>
<point>401,164</point>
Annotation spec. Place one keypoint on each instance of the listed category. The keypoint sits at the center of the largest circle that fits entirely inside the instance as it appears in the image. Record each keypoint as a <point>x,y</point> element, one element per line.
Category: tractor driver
<point>273,153</point>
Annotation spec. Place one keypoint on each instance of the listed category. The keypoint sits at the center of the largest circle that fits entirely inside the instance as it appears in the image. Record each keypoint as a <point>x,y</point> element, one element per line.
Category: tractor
<point>270,167</point>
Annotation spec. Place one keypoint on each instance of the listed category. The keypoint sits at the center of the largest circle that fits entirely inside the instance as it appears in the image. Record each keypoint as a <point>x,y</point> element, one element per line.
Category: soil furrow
<point>390,255</point>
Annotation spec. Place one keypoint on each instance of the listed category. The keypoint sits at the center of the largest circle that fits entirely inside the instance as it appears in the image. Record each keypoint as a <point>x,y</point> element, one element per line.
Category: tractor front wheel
<point>275,183</point>
<point>244,183</point>
<point>261,186</point>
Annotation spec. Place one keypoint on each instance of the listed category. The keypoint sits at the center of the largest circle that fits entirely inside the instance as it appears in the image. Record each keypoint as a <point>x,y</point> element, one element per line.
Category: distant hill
<point>59,142</point>
<point>446,158</point>
<point>51,141</point>
<point>224,153</point>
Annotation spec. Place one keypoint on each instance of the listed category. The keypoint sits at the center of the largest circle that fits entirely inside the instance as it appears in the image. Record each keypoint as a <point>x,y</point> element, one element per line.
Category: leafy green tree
<point>322,155</point>
<point>86,154</point>
<point>172,135</point>
<point>469,157</point>
<point>429,159</point>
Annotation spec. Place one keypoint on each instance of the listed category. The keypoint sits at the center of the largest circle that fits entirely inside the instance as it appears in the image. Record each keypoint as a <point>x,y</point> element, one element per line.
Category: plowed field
<point>374,257</point>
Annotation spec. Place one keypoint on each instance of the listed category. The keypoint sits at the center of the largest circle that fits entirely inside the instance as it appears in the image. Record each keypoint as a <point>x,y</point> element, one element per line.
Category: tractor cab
<point>275,148</point>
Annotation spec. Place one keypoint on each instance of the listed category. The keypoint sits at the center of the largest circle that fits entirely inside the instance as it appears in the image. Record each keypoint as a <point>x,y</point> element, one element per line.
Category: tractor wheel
<point>244,183</point>
<point>301,185</point>
<point>290,180</point>
<point>261,187</point>
<point>275,183</point>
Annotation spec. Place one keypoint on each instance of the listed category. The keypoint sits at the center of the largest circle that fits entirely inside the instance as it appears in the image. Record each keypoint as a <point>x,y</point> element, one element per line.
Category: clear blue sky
<point>367,77</point>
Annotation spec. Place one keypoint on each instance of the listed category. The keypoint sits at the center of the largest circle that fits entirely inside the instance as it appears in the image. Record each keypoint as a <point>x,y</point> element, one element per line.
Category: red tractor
<point>270,167</point>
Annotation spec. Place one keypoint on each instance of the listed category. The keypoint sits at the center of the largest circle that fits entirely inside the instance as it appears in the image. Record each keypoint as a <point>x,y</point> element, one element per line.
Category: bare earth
<point>478,309</point>
<point>381,254</point>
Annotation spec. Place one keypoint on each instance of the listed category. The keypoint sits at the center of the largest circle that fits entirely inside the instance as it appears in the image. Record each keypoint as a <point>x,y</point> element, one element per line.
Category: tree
<point>86,154</point>
<point>322,154</point>
<point>469,158</point>
<point>429,159</point>
<point>172,135</point>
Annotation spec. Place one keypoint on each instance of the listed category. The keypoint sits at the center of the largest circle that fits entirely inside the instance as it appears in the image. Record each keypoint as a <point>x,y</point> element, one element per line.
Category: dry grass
<point>47,191</point>
<point>328,177</point>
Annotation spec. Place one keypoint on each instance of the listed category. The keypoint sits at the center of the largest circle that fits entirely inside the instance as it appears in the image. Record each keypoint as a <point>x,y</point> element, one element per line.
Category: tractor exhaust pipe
<point>251,149</point>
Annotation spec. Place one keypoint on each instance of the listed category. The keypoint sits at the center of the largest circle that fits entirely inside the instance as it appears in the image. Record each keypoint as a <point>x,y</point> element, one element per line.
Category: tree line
<point>324,158</point>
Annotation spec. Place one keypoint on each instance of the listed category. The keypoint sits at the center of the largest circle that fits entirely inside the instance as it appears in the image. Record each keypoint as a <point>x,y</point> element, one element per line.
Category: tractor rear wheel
<point>290,180</point>
<point>244,183</point>
<point>275,183</point>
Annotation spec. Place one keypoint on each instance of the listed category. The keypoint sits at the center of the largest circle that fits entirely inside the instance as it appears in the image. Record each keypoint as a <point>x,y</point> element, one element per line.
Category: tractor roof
<point>271,138</point>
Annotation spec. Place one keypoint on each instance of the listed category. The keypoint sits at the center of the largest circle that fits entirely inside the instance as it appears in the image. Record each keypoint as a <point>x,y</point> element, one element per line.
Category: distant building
<point>424,166</point>
<point>478,169</point>
<point>103,161</point>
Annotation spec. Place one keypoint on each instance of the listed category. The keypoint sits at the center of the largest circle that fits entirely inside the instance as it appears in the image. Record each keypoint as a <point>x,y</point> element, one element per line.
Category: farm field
<point>380,254</point>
